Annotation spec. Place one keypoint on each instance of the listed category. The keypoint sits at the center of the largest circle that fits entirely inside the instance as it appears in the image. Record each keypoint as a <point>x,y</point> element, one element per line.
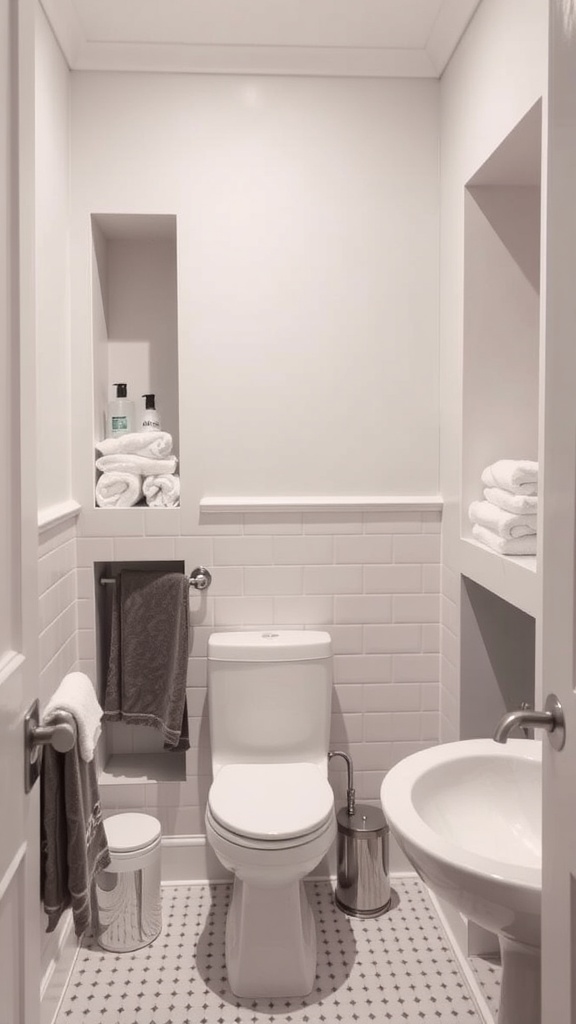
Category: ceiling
<point>367,38</point>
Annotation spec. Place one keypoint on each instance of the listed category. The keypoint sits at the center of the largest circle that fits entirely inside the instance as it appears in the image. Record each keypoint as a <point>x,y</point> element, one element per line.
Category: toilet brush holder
<point>363,882</point>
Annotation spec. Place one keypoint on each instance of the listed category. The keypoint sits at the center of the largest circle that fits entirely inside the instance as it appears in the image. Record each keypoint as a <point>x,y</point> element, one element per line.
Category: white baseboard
<point>456,927</point>
<point>190,859</point>
<point>58,969</point>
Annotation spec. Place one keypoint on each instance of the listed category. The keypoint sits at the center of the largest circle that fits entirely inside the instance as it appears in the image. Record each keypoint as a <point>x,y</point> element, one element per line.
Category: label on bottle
<point>119,424</point>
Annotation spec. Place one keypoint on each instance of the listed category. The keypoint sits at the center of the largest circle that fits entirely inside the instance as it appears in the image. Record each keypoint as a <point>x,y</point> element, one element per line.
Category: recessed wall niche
<point>497,660</point>
<point>135,314</point>
<point>501,307</point>
<point>128,753</point>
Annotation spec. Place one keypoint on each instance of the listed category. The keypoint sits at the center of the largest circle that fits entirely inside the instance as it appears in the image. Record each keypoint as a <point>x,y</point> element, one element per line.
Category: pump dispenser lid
<point>121,390</point>
<point>150,404</point>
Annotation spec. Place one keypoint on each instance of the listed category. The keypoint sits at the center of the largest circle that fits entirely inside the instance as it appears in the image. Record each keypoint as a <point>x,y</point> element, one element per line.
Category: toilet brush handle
<point>350,792</point>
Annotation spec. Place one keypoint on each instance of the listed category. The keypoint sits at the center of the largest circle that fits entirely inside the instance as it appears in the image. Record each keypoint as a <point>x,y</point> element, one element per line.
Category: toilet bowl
<point>270,812</point>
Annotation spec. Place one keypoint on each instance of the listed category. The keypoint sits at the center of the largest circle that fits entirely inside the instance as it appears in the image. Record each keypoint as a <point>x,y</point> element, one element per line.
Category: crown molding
<point>449,27</point>
<point>348,62</point>
<point>83,54</point>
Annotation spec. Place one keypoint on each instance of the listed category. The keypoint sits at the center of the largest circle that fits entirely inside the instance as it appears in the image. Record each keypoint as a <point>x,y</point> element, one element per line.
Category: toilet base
<point>270,941</point>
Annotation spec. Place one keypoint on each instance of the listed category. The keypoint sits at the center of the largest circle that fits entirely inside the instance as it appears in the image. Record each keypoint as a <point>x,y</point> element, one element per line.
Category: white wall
<point>52,268</point>
<point>496,75</point>
<point>307,220</point>
<point>307,241</point>
<point>57,604</point>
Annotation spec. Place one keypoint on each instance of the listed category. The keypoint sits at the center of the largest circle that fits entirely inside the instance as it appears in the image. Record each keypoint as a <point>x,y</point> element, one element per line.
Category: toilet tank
<point>269,696</point>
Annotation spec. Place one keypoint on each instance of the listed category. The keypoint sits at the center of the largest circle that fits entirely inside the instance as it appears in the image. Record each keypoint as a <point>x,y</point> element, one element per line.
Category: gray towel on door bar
<point>74,846</point>
<point>147,671</point>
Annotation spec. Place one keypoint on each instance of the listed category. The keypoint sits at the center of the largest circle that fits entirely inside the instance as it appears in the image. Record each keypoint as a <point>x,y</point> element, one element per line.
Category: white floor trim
<point>58,971</point>
<point>456,937</point>
<point>190,860</point>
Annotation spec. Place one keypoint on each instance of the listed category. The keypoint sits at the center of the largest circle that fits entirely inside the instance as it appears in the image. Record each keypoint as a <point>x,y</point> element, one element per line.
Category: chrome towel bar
<point>60,735</point>
<point>200,579</point>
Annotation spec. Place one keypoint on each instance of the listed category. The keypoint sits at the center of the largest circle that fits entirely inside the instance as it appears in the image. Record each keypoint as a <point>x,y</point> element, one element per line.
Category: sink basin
<point>468,817</point>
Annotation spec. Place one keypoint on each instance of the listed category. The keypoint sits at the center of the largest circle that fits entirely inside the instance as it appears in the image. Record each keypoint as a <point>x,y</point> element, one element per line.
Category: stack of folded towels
<point>137,465</point>
<point>506,520</point>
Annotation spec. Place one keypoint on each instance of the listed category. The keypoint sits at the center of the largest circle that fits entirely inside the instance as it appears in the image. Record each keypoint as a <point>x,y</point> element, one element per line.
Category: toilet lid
<point>270,801</point>
<point>127,833</point>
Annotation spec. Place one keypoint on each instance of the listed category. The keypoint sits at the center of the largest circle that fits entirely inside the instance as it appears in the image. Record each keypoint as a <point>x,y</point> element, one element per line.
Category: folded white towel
<point>154,444</point>
<point>118,490</point>
<point>512,546</point>
<point>505,524</point>
<point>517,475</point>
<point>520,504</point>
<point>76,695</point>
<point>126,463</point>
<point>162,491</point>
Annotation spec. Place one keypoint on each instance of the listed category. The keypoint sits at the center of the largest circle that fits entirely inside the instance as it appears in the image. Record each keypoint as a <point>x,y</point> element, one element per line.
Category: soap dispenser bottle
<point>150,419</point>
<point>120,413</point>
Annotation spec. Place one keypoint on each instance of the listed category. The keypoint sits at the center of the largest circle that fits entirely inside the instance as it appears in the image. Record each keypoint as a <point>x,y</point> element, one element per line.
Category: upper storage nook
<point>134,315</point>
<point>501,338</point>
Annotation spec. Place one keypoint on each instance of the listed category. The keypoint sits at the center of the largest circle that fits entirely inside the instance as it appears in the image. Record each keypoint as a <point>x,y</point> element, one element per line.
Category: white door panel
<point>19,830</point>
<point>557,661</point>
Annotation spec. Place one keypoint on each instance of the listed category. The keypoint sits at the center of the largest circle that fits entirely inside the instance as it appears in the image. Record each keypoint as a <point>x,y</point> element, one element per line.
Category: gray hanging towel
<point>148,665</point>
<point>73,841</point>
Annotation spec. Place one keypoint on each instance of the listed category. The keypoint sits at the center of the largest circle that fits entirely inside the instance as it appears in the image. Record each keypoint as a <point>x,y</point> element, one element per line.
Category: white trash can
<point>128,890</point>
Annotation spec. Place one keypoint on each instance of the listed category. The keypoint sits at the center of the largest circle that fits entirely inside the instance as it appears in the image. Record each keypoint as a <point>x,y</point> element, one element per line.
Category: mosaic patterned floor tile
<point>398,968</point>
<point>488,973</point>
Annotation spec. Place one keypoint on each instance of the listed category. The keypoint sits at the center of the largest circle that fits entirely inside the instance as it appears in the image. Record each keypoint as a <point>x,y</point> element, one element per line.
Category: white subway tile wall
<point>449,691</point>
<point>58,607</point>
<point>372,581</point>
<point>373,584</point>
<point>58,590</point>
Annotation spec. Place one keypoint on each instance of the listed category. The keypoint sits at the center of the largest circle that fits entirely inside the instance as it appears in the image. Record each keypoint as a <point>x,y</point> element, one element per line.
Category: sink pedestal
<point>520,991</point>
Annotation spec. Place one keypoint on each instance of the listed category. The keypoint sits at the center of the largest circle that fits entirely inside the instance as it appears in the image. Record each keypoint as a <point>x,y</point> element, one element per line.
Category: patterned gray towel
<point>148,664</point>
<point>74,847</point>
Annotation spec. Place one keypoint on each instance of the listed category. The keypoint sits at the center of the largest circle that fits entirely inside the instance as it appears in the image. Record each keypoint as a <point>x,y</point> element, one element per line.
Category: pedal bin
<point>363,883</point>
<point>128,890</point>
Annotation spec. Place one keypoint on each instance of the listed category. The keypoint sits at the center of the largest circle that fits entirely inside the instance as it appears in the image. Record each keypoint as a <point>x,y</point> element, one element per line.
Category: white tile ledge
<point>409,503</point>
<point>55,515</point>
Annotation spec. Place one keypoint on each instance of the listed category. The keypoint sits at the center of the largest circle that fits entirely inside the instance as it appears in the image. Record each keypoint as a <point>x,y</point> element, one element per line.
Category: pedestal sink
<point>468,817</point>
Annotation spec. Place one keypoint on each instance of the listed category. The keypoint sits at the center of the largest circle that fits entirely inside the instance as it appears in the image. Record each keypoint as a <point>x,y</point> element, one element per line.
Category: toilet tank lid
<point>270,645</point>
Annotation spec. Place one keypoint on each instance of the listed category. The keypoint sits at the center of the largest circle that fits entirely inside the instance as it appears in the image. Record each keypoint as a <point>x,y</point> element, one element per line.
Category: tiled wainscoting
<point>371,579</point>
<point>449,656</point>
<point>57,608</point>
<point>58,655</point>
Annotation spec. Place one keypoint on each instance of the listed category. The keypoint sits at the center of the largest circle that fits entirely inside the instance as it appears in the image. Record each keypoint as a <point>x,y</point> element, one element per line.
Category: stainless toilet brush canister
<point>363,883</point>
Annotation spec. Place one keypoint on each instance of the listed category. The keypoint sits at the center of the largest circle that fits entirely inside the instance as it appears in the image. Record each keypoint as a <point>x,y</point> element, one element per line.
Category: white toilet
<point>270,814</point>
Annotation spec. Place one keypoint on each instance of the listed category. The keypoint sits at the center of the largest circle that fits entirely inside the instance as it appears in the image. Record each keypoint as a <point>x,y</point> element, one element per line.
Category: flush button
<point>269,636</point>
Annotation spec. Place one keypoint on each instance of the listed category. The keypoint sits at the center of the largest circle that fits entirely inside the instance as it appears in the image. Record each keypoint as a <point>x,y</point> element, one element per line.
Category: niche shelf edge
<point>514,579</point>
<point>409,503</point>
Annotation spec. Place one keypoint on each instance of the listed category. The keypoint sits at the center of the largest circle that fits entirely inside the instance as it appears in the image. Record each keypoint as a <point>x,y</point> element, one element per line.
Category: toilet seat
<point>271,805</point>
<point>267,845</point>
